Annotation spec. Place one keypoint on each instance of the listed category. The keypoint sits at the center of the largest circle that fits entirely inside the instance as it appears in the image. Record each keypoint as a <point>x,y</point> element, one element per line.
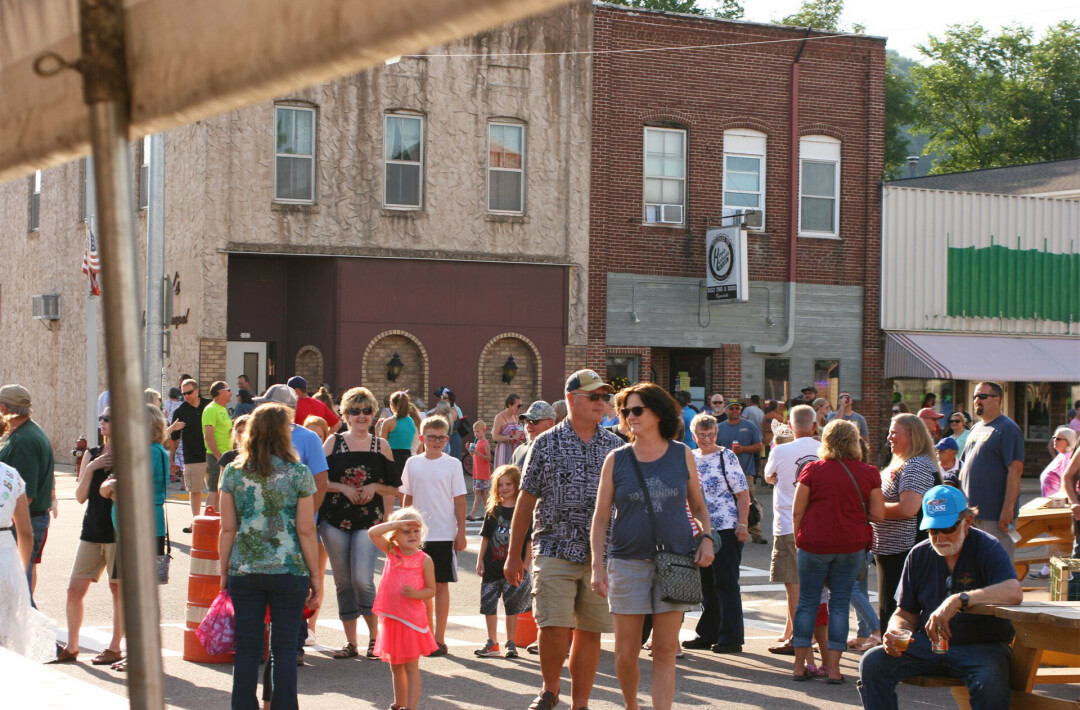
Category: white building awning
<point>1002,358</point>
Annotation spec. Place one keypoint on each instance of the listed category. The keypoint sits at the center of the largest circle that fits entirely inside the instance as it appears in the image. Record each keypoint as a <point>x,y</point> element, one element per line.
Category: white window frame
<point>521,170</point>
<point>824,150</point>
<point>35,202</point>
<point>311,156</point>
<point>646,177</point>
<point>144,174</point>
<point>746,143</point>
<point>387,162</point>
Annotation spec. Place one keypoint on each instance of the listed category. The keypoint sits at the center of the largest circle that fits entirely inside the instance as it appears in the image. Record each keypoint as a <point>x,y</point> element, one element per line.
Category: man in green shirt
<point>29,452</point>
<point>217,431</point>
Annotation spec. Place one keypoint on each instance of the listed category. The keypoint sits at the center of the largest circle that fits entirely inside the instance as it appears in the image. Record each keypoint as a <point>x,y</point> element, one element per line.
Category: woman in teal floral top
<point>268,551</point>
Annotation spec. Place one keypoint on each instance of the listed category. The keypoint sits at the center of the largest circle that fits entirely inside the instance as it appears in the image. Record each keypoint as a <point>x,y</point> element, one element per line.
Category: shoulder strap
<point>648,498</point>
<point>858,491</point>
<point>165,477</point>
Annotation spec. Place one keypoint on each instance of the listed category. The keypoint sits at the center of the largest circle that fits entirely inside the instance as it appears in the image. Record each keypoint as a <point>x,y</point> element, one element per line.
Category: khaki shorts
<point>93,558</point>
<point>784,565</point>
<point>563,596</point>
<point>195,477</point>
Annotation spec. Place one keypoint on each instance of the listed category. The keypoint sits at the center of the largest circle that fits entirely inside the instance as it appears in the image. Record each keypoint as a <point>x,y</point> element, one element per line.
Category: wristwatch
<point>964,598</point>
<point>713,535</point>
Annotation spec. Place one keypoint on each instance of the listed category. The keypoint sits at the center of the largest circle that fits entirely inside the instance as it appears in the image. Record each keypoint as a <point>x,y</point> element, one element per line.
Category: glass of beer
<point>901,638</point>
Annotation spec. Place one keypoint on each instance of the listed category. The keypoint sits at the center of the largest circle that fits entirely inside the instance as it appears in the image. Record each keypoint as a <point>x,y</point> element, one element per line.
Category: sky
<point>910,22</point>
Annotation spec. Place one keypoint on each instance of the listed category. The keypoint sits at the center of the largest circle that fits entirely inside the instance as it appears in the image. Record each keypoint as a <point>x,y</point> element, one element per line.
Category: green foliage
<point>820,15</point>
<point>899,113</point>
<point>689,7</point>
<point>729,10</point>
<point>1007,100</point>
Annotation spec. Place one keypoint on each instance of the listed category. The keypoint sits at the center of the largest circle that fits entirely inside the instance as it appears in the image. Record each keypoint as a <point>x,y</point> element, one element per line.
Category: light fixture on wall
<point>394,368</point>
<point>509,370</point>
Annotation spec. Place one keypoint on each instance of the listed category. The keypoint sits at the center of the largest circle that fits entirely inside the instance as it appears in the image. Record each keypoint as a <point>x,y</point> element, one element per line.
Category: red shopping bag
<point>217,632</point>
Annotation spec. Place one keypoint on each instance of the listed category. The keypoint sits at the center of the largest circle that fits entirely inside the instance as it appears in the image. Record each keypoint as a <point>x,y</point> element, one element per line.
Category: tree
<point>899,113</point>
<point>728,9</point>
<point>1006,100</point>
<point>820,15</point>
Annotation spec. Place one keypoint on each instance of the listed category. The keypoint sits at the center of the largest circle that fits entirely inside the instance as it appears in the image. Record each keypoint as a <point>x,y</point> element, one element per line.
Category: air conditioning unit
<point>47,306</point>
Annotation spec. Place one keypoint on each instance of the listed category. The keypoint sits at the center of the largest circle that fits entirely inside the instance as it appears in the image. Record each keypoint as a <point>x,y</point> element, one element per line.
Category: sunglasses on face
<point>103,419</point>
<point>946,531</point>
<point>896,411</point>
<point>1060,438</point>
<point>717,403</point>
<point>956,421</point>
<point>982,395</point>
<point>357,411</point>
<point>190,392</point>
<point>594,396</point>
<point>636,411</point>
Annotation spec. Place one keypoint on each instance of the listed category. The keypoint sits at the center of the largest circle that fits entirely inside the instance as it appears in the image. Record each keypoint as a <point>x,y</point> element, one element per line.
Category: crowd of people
<point>584,501</point>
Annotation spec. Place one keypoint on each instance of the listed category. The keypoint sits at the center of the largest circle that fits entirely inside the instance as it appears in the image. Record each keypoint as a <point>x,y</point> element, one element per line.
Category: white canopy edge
<point>192,59</point>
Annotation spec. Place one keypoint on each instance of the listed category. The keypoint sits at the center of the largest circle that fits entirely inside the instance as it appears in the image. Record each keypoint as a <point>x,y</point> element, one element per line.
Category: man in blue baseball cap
<point>957,567</point>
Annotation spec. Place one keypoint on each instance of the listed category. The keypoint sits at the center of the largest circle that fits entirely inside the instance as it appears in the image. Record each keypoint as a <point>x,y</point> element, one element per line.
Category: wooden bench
<point>1018,700</point>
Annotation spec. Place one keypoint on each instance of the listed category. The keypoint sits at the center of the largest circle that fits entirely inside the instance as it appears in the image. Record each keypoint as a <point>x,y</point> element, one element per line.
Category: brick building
<point>679,134</point>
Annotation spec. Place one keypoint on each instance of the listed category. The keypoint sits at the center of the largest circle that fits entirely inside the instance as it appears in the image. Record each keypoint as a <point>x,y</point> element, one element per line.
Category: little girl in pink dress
<point>402,603</point>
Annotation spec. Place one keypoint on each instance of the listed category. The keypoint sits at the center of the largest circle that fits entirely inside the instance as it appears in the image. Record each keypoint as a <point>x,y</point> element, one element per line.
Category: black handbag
<point>677,575</point>
<point>162,561</point>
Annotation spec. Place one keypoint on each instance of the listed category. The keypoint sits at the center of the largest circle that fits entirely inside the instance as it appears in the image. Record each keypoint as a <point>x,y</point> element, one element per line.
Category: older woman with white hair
<point>1062,446</point>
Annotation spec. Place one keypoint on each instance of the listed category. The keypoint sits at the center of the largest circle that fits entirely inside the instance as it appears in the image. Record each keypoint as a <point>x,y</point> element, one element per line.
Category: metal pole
<point>155,264</point>
<point>105,87</point>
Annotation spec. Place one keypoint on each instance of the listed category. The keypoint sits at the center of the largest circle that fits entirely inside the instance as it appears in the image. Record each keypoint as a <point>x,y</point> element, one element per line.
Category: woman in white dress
<point>23,629</point>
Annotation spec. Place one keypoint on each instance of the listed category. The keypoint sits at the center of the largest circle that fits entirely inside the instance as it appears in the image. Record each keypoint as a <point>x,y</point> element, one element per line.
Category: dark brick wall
<point>707,91</point>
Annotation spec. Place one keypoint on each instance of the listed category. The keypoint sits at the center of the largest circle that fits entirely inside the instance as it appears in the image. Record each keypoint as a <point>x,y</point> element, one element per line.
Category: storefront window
<point>777,378</point>
<point>1037,411</point>
<point>914,393</point>
<point>622,370</point>
<point>827,380</point>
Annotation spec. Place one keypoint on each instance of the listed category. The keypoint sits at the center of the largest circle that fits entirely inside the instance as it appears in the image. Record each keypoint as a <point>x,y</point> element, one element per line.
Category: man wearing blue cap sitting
<point>957,567</point>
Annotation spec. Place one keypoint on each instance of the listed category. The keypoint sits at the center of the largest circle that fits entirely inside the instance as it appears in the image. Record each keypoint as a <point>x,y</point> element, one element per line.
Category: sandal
<point>347,651</point>
<point>371,649</point>
<point>806,675</point>
<point>107,658</point>
<point>120,666</point>
<point>65,656</point>
<point>546,700</point>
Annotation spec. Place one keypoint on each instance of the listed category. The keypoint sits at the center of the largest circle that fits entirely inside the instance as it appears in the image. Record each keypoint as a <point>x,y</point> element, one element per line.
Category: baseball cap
<point>281,394</point>
<point>15,396</point>
<point>929,413</point>
<point>539,410</point>
<point>296,382</point>
<point>947,443</point>
<point>733,403</point>
<point>804,390</point>
<point>440,391</point>
<point>587,380</point>
<point>941,507</point>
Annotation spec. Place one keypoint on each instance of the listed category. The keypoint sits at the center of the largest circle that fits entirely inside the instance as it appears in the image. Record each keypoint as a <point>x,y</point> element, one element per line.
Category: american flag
<point>91,265</point>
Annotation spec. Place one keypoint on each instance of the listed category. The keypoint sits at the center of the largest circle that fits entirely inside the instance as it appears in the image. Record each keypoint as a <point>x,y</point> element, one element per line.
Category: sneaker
<point>726,648</point>
<point>1039,575</point>
<point>188,529</point>
<point>490,650</point>
<point>533,648</point>
<point>310,640</point>
<point>511,650</point>
<point>442,650</point>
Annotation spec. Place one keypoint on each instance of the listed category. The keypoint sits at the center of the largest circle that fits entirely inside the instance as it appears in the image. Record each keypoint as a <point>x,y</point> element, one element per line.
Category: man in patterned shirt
<point>562,473</point>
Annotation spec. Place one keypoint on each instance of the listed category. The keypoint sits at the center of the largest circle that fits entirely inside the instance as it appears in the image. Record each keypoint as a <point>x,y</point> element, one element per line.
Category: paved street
<point>754,679</point>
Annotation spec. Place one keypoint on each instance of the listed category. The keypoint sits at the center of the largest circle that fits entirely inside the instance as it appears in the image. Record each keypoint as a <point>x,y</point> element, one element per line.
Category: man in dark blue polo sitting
<point>959,566</point>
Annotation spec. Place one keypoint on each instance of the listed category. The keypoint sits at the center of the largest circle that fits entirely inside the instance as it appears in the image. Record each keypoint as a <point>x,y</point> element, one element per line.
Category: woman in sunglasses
<point>958,429</point>
<point>362,483</point>
<point>1061,446</point>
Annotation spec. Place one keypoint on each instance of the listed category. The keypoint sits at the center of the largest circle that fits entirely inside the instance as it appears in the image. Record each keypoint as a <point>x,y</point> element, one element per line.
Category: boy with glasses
<point>434,483</point>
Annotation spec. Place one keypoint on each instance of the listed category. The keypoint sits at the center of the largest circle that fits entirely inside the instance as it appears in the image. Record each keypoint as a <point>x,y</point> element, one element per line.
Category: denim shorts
<point>632,589</point>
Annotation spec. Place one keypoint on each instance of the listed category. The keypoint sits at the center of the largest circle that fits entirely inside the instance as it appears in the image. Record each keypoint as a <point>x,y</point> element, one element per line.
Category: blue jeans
<point>352,558</point>
<point>251,594</point>
<point>814,571</point>
<point>40,525</point>
<point>722,615</point>
<point>984,667</point>
<point>864,611</point>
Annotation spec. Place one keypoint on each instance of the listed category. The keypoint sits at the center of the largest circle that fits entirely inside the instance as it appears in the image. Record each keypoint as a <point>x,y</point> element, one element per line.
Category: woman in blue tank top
<point>400,431</point>
<point>628,577</point>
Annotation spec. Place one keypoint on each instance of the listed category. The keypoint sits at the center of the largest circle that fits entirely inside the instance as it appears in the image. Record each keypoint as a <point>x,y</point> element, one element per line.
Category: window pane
<point>652,213</point>
<point>776,378</point>
<point>742,164</point>
<point>294,179</point>
<point>652,190</point>
<point>505,191</point>
<point>817,215</point>
<point>144,186</point>
<point>819,179</point>
<point>304,132</point>
<point>741,199</point>
<point>512,138</point>
<point>653,165</point>
<point>654,141</point>
<point>742,181</point>
<point>403,185</point>
<point>286,126</point>
<point>403,139</point>
<point>673,167</point>
<point>671,192</point>
<point>35,211</point>
<point>673,143</point>
<point>827,380</point>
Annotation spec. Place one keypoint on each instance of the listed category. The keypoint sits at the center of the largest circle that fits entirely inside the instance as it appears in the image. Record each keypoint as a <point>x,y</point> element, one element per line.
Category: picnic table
<point>1040,525</point>
<point>1046,632</point>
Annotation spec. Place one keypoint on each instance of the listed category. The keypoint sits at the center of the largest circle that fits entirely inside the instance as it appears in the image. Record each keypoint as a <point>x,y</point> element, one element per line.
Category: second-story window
<point>35,202</point>
<point>294,154</point>
<point>665,176</point>
<point>744,170</point>
<point>144,175</point>
<point>404,158</point>
<point>506,168</point>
